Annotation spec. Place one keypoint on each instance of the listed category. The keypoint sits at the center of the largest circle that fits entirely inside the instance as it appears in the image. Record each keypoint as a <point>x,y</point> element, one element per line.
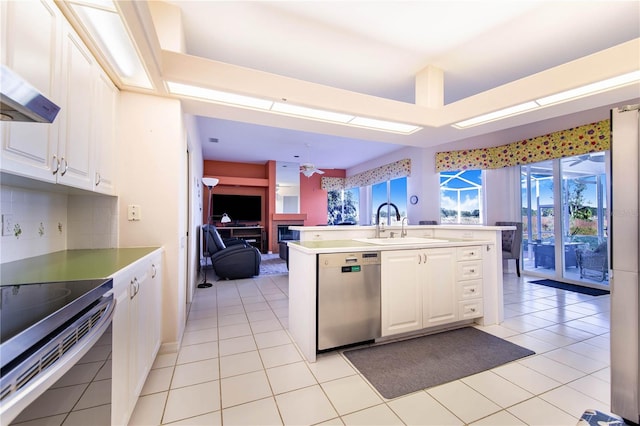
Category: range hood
<point>19,101</point>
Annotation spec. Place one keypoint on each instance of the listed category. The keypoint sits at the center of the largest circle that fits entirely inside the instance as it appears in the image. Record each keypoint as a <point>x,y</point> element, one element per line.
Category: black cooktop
<point>30,312</point>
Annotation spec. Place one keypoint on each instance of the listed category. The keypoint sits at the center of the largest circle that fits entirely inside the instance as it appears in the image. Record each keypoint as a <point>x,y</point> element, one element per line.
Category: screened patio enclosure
<point>565,217</point>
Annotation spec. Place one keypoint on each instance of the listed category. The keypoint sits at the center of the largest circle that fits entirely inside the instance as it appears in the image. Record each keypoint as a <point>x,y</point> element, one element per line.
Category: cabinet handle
<point>472,290</point>
<point>473,271</point>
<point>488,248</point>
<point>66,166</point>
<point>55,162</point>
<point>153,271</point>
<point>132,289</point>
<point>472,309</point>
<point>425,258</point>
<point>98,178</point>
<point>472,253</point>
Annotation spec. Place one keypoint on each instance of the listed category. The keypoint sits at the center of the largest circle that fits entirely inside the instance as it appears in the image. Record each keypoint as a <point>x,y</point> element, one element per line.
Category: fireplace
<point>285,234</point>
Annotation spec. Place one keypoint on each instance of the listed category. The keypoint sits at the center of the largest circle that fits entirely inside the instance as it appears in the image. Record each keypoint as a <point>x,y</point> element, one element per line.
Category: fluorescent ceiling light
<point>589,89</point>
<point>287,108</point>
<point>389,126</point>
<point>599,86</point>
<point>311,112</point>
<point>104,24</point>
<point>218,96</point>
<point>496,115</point>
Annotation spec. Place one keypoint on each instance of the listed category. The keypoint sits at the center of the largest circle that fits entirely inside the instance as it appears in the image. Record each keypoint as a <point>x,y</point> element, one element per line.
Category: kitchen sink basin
<point>399,241</point>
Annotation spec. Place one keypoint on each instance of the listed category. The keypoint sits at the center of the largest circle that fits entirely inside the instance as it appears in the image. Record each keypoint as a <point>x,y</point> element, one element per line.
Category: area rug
<point>571,287</point>
<point>598,418</point>
<point>399,368</point>
<point>271,264</point>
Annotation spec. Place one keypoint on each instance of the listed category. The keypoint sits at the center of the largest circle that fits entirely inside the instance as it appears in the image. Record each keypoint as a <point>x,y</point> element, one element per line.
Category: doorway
<point>565,219</point>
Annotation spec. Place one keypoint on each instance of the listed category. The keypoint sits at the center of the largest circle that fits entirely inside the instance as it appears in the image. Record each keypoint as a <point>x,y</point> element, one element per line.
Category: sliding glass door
<point>565,219</point>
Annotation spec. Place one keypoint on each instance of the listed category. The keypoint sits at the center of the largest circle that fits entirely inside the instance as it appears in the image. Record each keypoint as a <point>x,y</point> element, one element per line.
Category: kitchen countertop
<point>70,265</point>
<point>338,246</point>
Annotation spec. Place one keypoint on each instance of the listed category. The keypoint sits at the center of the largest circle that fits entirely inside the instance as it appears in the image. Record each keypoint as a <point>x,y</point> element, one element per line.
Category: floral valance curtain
<point>592,137</point>
<point>384,173</point>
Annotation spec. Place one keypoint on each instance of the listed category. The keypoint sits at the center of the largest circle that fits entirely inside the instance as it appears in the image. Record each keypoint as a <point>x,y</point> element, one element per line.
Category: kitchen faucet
<point>378,217</point>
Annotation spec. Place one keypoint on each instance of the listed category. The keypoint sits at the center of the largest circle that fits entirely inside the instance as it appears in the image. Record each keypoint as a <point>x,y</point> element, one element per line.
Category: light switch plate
<point>133,212</point>
<point>7,224</point>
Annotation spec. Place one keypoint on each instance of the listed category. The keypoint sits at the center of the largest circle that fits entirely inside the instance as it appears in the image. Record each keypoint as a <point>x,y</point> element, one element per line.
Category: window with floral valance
<point>384,173</point>
<point>579,140</point>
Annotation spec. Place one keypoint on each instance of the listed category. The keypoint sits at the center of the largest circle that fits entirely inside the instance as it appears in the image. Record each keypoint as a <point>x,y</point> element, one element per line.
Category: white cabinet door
<point>104,135</point>
<point>145,323</point>
<point>75,146</point>
<point>120,394</point>
<point>401,302</point>
<point>30,37</point>
<point>439,296</point>
<point>136,332</point>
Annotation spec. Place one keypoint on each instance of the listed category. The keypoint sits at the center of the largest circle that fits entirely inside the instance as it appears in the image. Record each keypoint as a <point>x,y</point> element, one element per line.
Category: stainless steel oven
<point>45,329</point>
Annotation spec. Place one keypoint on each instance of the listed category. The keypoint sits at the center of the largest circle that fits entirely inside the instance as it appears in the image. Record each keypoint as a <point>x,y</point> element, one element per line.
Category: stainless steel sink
<point>400,241</point>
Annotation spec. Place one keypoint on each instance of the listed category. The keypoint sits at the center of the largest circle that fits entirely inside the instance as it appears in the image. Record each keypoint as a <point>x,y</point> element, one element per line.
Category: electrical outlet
<point>7,224</point>
<point>133,212</point>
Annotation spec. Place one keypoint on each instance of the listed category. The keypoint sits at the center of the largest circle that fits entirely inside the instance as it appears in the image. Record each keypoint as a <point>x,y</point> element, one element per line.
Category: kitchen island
<point>437,276</point>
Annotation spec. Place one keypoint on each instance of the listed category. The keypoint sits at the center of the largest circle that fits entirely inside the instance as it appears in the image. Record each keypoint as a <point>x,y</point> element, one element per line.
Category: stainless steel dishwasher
<point>348,298</point>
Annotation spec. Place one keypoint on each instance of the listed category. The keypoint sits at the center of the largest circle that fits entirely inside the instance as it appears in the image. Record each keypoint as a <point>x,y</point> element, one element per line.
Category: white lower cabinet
<point>136,332</point>
<point>469,282</point>
<point>429,287</point>
<point>401,302</point>
<point>439,302</point>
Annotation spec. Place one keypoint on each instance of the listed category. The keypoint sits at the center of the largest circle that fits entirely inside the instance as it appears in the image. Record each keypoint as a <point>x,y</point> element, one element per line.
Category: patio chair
<point>512,242</point>
<point>593,264</point>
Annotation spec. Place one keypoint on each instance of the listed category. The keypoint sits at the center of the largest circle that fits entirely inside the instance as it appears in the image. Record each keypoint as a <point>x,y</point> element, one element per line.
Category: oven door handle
<point>18,391</point>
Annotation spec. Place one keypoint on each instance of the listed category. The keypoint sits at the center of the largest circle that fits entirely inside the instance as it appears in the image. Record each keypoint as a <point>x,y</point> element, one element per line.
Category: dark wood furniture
<point>253,235</point>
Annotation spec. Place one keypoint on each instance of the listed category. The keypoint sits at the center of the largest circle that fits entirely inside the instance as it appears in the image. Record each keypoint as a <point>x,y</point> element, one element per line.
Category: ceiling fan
<point>588,157</point>
<point>308,169</point>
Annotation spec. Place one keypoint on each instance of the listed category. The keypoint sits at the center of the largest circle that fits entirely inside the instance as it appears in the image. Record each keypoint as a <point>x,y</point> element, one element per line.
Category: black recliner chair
<point>231,258</point>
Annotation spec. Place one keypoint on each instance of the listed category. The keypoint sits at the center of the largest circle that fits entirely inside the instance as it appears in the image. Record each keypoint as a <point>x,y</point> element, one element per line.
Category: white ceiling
<point>376,48</point>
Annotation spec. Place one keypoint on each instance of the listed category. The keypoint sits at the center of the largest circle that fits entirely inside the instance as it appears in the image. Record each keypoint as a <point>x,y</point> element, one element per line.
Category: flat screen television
<point>240,208</point>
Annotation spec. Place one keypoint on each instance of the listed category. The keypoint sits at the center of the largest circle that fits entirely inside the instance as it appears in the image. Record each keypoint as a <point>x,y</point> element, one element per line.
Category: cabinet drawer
<point>469,253</point>
<point>470,309</point>
<point>469,270</point>
<point>470,289</point>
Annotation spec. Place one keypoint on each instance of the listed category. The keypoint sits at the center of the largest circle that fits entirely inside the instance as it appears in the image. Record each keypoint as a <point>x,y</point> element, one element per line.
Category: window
<point>343,206</point>
<point>392,191</point>
<point>461,197</point>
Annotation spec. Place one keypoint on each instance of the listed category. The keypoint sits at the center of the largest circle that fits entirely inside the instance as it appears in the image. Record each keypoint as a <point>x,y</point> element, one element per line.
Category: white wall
<point>152,154</point>
<point>198,193</point>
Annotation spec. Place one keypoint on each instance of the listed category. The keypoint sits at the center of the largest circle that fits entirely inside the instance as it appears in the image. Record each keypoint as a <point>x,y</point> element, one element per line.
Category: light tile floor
<point>238,366</point>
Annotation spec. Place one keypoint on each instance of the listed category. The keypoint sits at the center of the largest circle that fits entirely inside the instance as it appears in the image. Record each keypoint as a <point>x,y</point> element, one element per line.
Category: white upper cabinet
<point>104,136</point>
<point>77,148</point>
<point>75,142</point>
<point>30,47</point>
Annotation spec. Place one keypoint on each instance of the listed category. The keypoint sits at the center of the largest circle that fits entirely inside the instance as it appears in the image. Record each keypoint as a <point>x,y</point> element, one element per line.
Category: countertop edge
<point>360,247</point>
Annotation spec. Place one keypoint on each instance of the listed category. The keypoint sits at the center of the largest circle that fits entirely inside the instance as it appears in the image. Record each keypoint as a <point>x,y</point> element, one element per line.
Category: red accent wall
<point>313,199</point>
<point>260,179</point>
